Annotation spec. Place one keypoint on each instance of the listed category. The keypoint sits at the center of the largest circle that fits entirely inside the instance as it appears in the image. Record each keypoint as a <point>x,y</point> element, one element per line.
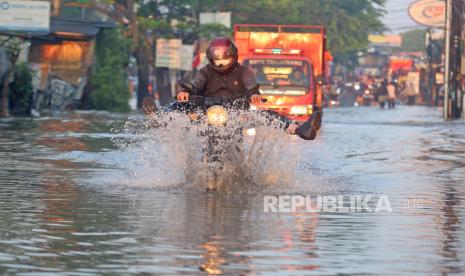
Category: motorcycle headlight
<point>217,115</point>
<point>300,110</point>
<point>251,132</point>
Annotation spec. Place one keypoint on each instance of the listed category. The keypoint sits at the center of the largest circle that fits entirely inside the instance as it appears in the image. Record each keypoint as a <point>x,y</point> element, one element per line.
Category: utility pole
<point>456,56</point>
<point>460,91</point>
<point>447,58</point>
<point>453,102</point>
<point>431,72</point>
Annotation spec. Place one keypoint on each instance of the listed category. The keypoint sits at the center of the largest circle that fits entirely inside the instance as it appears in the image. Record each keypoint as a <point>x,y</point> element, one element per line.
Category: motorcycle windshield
<point>281,73</point>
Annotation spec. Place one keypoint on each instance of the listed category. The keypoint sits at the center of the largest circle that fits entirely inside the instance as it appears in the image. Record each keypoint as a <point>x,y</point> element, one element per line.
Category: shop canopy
<point>67,29</point>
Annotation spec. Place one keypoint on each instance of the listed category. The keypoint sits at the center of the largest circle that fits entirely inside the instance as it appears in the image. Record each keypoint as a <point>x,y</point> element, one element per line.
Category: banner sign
<point>171,53</point>
<point>386,40</point>
<point>431,13</point>
<point>222,18</point>
<point>29,16</point>
<point>168,53</point>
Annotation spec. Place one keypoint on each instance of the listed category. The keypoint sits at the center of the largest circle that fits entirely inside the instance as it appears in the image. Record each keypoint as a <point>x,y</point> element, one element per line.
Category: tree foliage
<point>110,90</point>
<point>413,40</point>
<point>20,96</point>
<point>348,22</point>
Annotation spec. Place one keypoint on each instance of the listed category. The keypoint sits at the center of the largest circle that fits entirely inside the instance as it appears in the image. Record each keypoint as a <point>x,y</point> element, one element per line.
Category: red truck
<point>397,64</point>
<point>289,63</point>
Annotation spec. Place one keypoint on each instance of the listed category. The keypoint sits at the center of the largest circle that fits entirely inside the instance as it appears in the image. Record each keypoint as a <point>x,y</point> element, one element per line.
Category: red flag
<point>196,61</point>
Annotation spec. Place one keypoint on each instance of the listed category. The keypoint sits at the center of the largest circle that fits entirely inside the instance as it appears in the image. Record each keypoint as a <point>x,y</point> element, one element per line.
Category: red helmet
<point>222,54</point>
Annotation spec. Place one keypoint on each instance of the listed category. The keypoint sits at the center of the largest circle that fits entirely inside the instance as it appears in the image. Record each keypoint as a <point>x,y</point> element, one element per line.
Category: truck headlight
<point>217,115</point>
<point>301,110</point>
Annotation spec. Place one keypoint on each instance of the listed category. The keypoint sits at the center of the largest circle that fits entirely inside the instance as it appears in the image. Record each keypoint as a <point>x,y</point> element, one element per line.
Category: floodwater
<point>82,195</point>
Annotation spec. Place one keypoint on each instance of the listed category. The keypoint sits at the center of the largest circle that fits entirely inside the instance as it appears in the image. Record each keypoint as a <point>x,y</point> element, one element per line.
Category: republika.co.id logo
<point>4,5</point>
<point>339,204</point>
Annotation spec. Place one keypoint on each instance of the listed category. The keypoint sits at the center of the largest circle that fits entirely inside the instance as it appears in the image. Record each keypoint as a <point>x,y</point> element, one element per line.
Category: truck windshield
<point>280,72</point>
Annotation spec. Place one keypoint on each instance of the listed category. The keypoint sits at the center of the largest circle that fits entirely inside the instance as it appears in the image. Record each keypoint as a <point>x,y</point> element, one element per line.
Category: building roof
<point>77,28</point>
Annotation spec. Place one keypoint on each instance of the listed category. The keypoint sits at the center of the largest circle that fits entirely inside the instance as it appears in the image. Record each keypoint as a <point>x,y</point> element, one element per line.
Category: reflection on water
<point>72,201</point>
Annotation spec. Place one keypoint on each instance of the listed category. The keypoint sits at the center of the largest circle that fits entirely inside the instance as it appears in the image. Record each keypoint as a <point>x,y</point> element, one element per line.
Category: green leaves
<point>153,24</point>
<point>20,95</point>
<point>211,31</point>
<point>413,40</point>
<point>348,21</point>
<point>110,89</point>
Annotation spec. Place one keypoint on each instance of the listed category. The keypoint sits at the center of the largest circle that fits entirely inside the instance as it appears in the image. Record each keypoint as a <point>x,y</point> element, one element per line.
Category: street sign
<point>222,18</point>
<point>431,13</point>
<point>169,53</point>
<point>29,16</point>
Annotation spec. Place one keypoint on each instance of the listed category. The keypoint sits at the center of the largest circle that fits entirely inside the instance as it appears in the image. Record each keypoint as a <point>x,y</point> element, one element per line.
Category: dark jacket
<point>231,85</point>
<point>382,90</point>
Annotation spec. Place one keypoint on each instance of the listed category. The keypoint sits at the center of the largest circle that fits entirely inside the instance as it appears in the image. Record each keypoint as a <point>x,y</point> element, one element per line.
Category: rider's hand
<point>256,98</point>
<point>183,96</point>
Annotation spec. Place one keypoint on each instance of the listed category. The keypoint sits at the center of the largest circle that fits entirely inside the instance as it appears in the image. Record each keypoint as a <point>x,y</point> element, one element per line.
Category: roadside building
<point>63,60</point>
<point>61,55</point>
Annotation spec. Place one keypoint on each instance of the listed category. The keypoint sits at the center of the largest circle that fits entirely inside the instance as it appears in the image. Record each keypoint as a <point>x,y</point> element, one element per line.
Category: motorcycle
<point>368,96</point>
<point>222,124</point>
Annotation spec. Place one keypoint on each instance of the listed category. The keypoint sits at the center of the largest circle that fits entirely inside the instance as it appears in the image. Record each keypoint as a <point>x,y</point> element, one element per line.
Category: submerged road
<point>73,200</point>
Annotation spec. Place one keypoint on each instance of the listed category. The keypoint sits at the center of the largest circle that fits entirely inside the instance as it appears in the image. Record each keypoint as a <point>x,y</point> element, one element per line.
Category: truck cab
<point>288,63</point>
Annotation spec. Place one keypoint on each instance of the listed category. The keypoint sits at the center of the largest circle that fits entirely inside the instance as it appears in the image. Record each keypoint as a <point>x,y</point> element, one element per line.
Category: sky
<point>397,18</point>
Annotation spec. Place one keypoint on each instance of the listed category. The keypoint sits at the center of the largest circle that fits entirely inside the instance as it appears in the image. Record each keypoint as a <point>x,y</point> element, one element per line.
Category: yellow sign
<point>277,70</point>
<point>391,40</point>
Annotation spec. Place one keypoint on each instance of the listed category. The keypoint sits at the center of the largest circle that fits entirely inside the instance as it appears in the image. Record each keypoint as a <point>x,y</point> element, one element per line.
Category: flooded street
<point>72,200</point>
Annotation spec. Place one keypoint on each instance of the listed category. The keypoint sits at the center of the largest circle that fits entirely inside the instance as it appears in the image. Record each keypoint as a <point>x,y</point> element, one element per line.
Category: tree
<point>20,96</point>
<point>110,90</point>
<point>413,41</point>
<point>12,46</point>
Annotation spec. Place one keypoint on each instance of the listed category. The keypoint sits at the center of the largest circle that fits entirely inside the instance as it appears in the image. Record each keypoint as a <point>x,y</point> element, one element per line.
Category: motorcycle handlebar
<point>191,89</point>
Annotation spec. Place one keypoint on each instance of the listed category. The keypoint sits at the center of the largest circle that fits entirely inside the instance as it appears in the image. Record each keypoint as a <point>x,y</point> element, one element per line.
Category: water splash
<point>168,151</point>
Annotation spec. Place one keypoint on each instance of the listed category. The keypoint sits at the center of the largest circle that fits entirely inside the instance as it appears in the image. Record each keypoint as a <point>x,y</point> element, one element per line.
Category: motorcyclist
<point>225,77</point>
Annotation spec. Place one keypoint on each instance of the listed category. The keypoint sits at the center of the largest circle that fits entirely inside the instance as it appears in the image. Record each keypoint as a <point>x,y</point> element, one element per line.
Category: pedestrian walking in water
<point>382,94</point>
<point>411,93</point>
<point>391,91</point>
